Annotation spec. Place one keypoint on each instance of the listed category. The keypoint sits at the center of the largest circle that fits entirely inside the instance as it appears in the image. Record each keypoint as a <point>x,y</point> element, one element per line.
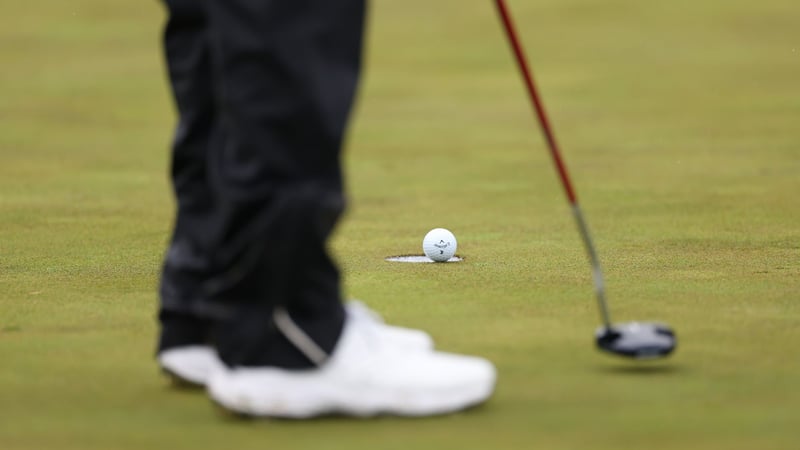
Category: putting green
<point>678,121</point>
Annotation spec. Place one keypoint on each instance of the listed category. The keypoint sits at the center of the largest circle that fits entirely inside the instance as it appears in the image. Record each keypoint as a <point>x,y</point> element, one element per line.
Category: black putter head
<point>639,340</point>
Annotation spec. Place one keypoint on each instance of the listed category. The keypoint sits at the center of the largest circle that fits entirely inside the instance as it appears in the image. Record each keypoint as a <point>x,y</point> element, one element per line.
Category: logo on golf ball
<point>439,244</point>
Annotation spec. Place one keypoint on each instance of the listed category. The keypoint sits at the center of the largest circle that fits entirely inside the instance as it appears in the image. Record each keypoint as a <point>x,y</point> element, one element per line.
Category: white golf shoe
<point>190,365</point>
<point>194,364</point>
<point>363,377</point>
<point>400,336</point>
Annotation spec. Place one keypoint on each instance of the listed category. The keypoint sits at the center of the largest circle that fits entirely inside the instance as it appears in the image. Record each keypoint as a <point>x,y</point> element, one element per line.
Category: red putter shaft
<point>635,339</point>
<point>583,228</point>
<point>537,102</point>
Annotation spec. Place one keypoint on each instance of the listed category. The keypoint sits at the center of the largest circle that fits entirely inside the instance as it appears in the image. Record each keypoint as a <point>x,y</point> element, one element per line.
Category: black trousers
<point>263,90</point>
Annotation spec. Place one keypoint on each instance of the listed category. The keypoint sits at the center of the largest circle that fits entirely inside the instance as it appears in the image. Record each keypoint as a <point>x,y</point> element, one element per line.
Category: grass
<point>678,121</point>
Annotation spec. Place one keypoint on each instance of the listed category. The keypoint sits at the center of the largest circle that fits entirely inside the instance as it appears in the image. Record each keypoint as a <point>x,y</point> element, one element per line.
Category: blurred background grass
<point>678,121</point>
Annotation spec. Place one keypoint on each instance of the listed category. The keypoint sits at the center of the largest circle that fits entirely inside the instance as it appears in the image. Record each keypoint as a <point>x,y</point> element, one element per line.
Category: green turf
<point>679,123</point>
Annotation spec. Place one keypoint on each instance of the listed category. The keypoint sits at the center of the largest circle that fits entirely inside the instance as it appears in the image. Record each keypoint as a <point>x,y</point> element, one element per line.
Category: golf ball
<point>439,244</point>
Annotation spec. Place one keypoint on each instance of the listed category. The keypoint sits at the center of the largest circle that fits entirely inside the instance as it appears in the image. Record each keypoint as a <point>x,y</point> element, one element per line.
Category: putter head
<point>639,340</point>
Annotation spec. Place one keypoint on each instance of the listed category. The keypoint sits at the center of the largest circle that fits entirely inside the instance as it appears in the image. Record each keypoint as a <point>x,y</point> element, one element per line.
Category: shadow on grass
<point>643,369</point>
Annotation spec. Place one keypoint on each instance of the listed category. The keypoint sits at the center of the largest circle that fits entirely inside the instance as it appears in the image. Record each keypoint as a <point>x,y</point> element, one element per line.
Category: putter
<point>640,340</point>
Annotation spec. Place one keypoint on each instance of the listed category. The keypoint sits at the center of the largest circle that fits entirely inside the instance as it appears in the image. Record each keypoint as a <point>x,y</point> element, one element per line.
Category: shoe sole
<point>189,367</point>
<point>291,397</point>
<point>179,382</point>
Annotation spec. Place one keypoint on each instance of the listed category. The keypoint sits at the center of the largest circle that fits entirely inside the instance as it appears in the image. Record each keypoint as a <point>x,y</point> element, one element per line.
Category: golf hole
<point>419,259</point>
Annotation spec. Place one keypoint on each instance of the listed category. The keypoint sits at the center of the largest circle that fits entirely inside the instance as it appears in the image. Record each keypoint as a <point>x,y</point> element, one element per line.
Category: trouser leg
<point>187,56</point>
<point>285,75</point>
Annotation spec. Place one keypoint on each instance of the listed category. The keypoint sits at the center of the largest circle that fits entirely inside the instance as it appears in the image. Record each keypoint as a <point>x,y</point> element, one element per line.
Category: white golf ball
<point>439,244</point>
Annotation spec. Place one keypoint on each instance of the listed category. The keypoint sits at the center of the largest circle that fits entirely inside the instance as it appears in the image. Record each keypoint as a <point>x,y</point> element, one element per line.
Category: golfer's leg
<point>287,74</point>
<point>187,56</point>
